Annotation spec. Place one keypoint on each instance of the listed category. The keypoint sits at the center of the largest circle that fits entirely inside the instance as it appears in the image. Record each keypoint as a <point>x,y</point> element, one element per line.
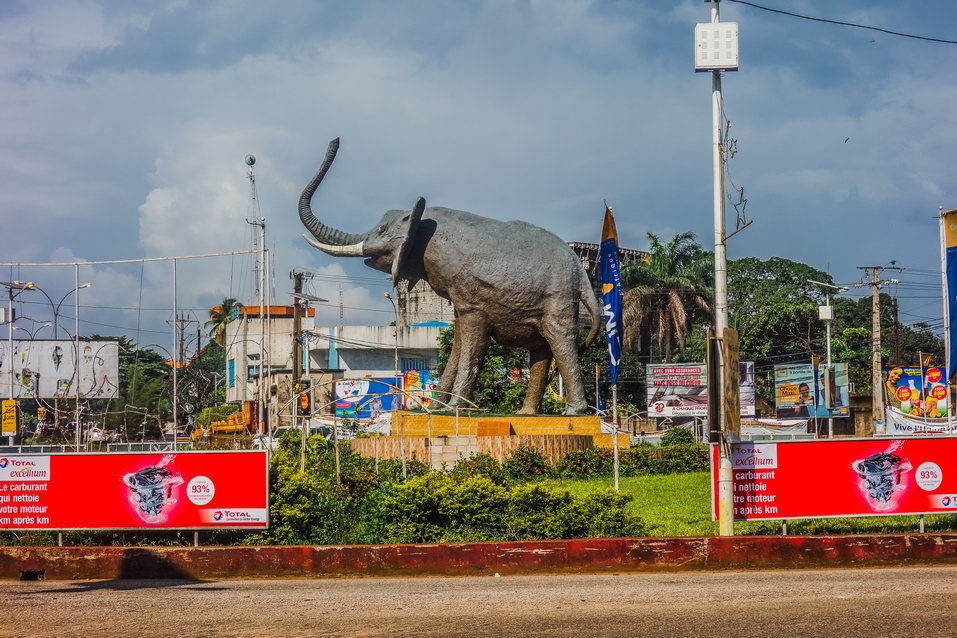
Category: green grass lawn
<point>680,505</point>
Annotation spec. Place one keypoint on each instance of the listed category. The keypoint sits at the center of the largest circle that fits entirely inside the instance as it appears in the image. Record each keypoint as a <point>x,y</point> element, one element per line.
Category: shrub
<point>479,465</point>
<point>677,436</point>
<point>305,509</point>
<point>526,463</point>
<point>600,514</point>
<point>588,462</point>
<point>685,458</point>
<point>533,512</point>
<point>412,512</point>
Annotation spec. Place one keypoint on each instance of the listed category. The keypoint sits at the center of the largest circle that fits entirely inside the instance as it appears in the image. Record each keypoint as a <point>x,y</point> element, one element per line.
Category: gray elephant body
<point>512,281</point>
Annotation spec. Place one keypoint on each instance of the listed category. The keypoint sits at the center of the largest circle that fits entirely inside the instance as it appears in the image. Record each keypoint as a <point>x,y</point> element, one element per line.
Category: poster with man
<point>800,393</point>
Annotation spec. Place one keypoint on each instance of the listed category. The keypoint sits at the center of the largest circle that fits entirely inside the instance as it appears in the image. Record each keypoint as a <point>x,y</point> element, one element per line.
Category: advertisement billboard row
<point>54,369</point>
<point>853,477</point>
<point>187,490</point>
<point>681,389</point>
<point>800,393</point>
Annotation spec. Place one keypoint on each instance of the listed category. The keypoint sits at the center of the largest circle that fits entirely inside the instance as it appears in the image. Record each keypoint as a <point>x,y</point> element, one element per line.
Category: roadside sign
<point>9,418</point>
<point>186,490</point>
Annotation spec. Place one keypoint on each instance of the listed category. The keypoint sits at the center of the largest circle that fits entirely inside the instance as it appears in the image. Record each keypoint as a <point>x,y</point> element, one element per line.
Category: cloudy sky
<point>125,126</point>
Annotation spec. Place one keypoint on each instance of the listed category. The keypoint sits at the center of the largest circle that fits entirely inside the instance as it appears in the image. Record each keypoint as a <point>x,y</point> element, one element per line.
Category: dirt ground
<point>871,603</point>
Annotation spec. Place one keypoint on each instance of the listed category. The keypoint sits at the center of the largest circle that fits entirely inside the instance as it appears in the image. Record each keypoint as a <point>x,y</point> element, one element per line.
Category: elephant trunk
<point>326,235</point>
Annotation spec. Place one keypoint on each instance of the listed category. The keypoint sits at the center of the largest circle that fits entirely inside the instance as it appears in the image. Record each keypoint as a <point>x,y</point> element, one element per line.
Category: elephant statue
<point>511,280</point>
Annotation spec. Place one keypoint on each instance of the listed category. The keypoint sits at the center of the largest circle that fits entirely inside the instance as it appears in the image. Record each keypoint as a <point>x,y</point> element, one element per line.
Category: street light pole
<point>20,287</point>
<point>398,381</point>
<point>826,313</point>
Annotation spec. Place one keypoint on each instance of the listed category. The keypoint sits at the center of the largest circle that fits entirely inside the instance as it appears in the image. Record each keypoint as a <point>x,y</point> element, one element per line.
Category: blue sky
<point>125,127</point>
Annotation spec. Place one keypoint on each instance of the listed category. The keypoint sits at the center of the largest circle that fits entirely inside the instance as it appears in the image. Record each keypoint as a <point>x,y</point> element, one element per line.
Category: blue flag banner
<point>948,228</point>
<point>611,291</point>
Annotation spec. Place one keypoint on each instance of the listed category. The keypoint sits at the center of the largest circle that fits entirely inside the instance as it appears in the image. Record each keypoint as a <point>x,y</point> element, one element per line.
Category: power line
<point>845,24</point>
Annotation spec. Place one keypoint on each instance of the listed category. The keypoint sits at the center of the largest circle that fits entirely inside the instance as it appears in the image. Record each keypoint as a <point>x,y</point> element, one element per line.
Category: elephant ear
<point>402,255</point>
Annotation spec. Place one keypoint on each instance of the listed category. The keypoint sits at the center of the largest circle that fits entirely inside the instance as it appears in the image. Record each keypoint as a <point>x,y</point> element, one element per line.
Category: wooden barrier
<point>423,424</point>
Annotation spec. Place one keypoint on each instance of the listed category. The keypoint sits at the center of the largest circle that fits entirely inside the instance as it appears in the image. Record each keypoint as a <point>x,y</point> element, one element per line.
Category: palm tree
<point>666,291</point>
<point>219,317</point>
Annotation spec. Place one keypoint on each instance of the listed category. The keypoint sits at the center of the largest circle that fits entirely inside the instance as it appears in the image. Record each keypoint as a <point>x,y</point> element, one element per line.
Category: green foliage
<point>479,465</point>
<point>666,293</point>
<point>215,413</point>
<point>219,317</point>
<point>436,508</point>
<point>526,463</point>
<point>677,436</point>
<point>589,462</point>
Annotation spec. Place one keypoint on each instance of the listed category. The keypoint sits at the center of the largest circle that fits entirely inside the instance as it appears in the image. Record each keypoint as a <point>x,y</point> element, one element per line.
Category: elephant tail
<point>587,296</point>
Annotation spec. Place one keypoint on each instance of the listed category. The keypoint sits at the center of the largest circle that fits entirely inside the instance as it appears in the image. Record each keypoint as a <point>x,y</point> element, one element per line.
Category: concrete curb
<point>475,559</point>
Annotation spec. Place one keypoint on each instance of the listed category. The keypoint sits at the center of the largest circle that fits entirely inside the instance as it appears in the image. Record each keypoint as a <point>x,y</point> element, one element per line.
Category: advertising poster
<point>51,369</point>
<point>419,386</point>
<point>186,490</point>
<point>900,424</point>
<point>799,391</point>
<point>681,389</point>
<point>365,398</point>
<point>916,391</point>
<point>853,477</point>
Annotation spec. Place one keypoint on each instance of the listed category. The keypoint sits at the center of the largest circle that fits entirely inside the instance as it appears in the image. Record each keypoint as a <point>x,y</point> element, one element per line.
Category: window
<point>416,364</point>
<point>231,372</point>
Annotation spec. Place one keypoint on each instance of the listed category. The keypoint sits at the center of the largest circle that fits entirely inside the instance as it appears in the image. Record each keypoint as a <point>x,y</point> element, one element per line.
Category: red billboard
<point>185,490</point>
<point>851,477</point>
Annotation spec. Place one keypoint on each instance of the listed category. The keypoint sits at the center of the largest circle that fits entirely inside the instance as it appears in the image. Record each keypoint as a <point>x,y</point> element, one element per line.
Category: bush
<point>526,463</point>
<point>533,512</point>
<point>600,514</point>
<point>439,508</point>
<point>685,458</point>
<point>479,465</point>
<point>665,460</point>
<point>588,462</point>
<point>677,436</point>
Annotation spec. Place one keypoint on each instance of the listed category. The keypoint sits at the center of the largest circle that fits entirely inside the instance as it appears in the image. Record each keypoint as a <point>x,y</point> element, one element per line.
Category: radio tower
<point>254,218</point>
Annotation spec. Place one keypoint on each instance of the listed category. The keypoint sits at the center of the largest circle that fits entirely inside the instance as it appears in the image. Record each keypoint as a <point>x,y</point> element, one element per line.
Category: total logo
<point>36,468</point>
<point>946,500</point>
<point>227,516</point>
<point>15,463</point>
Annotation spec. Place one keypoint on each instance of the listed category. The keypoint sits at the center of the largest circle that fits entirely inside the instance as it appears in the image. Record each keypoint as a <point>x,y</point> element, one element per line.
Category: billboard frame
<point>266,457</point>
<point>712,455</point>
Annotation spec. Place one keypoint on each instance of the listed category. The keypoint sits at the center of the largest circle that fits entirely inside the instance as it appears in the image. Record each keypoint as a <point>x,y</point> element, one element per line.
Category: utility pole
<point>297,277</point>
<point>716,51</point>
<point>877,388</point>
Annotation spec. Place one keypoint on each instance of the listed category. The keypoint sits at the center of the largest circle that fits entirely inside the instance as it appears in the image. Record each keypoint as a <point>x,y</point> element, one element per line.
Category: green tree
<point>666,293</point>
<point>219,317</point>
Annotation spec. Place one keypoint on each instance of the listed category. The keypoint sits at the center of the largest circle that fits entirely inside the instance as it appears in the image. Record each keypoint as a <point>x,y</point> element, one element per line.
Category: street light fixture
<point>19,286</point>
<point>396,333</point>
<point>826,314</point>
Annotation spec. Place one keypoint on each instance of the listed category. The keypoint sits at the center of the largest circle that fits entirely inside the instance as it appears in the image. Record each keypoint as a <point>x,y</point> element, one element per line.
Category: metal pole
<point>262,332</point>
<point>268,344</point>
<point>827,324</point>
<point>877,391</point>
<point>10,350</point>
<point>725,475</point>
<point>402,444</point>
<point>335,437</point>
<point>175,365</point>
<point>76,339</point>
<point>614,432</point>
<point>947,335</point>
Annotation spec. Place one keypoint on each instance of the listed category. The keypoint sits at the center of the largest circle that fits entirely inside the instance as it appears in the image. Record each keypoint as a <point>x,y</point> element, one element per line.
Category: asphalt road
<point>871,603</point>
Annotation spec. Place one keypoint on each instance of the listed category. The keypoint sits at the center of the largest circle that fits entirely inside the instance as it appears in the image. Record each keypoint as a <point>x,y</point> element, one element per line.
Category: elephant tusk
<point>352,250</point>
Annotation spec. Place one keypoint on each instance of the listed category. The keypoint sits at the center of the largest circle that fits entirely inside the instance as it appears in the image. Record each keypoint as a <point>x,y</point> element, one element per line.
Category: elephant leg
<point>539,361</point>
<point>444,386</point>
<point>564,347</point>
<point>472,335</point>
